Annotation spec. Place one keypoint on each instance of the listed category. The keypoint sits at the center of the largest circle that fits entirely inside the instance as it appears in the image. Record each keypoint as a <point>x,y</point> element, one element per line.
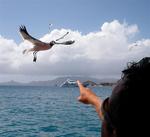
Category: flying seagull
<point>39,45</point>
<point>135,44</point>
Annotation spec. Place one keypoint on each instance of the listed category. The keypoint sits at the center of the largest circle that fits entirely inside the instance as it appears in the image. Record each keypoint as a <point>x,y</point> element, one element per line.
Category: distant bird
<point>132,46</point>
<point>39,45</point>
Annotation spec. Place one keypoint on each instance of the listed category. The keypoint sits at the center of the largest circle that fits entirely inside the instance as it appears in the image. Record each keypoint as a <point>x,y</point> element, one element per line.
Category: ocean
<point>29,111</point>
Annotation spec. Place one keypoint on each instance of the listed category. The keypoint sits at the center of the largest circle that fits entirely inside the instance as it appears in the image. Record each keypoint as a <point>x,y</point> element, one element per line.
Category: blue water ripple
<point>47,112</point>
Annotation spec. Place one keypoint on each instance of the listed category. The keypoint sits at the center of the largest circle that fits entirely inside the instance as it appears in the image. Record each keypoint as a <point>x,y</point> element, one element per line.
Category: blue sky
<point>82,15</point>
<point>104,31</point>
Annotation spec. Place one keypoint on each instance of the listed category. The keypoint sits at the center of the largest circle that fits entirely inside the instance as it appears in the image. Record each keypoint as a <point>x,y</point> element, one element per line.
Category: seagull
<point>39,45</point>
<point>132,46</point>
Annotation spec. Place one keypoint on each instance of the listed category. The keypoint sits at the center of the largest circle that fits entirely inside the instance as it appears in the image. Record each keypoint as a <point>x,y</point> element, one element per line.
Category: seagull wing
<point>66,42</point>
<point>27,36</point>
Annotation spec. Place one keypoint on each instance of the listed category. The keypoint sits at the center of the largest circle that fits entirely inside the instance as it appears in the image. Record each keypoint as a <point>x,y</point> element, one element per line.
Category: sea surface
<point>28,111</point>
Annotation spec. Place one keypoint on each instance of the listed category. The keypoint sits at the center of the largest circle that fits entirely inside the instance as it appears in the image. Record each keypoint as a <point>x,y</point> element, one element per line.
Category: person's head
<point>52,43</point>
<point>123,110</point>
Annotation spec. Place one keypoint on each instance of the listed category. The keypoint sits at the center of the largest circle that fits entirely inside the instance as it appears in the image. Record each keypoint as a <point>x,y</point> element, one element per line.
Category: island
<point>65,82</point>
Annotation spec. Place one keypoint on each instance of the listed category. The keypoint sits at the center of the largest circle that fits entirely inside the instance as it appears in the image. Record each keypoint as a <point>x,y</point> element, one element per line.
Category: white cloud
<point>104,52</point>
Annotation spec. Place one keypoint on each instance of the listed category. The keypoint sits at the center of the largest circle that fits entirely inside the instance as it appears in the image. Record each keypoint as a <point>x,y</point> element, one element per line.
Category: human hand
<point>87,96</point>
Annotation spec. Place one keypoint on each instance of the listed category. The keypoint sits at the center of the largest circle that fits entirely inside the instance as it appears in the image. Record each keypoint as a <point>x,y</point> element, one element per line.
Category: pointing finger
<point>79,84</point>
<point>81,87</point>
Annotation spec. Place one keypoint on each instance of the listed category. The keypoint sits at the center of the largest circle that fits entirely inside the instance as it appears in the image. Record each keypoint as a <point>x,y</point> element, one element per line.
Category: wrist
<point>96,102</point>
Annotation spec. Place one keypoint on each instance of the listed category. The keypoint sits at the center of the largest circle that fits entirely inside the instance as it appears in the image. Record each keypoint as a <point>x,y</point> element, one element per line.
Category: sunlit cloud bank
<point>101,53</point>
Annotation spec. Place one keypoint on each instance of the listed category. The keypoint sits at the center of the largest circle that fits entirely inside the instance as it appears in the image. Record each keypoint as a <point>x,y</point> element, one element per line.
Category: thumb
<point>79,98</point>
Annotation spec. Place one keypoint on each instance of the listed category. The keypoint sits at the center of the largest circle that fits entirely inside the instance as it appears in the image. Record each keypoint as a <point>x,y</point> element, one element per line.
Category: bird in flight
<point>135,44</point>
<point>40,45</point>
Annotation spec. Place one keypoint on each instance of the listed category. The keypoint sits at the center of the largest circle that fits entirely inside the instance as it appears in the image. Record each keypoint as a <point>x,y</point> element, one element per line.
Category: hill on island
<point>58,81</point>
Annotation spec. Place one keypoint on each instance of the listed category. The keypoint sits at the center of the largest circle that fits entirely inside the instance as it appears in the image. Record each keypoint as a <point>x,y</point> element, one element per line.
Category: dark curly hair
<point>127,106</point>
<point>138,72</point>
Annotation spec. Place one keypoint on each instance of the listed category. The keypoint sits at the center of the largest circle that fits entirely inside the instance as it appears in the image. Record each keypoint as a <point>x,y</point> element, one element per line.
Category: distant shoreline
<point>91,82</point>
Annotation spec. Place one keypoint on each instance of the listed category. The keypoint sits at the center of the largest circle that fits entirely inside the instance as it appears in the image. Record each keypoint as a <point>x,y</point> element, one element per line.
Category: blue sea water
<point>47,112</point>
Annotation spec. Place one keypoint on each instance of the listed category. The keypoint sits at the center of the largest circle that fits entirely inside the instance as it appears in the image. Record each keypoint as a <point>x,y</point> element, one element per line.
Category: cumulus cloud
<point>101,53</point>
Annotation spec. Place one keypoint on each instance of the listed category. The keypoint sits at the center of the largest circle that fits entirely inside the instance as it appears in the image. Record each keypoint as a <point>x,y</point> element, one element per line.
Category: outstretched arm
<point>87,96</point>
